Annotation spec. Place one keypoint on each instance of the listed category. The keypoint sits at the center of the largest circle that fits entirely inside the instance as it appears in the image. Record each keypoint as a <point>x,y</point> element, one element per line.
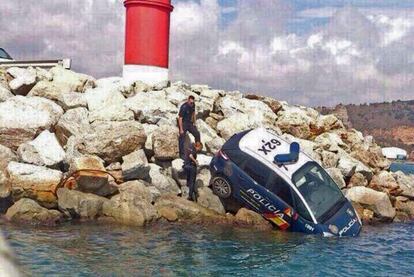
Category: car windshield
<point>4,55</point>
<point>317,187</point>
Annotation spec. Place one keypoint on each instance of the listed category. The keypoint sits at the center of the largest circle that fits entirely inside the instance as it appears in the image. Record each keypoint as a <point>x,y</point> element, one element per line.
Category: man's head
<point>198,146</point>
<point>191,100</point>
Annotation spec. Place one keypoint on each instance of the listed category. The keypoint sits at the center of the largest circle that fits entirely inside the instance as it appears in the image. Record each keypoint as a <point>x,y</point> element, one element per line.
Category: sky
<point>308,52</point>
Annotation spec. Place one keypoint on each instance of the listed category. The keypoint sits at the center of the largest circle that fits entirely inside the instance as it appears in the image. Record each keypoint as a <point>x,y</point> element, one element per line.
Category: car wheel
<point>221,187</point>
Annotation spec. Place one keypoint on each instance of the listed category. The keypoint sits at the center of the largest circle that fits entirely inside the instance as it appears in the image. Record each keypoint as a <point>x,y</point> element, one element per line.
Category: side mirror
<point>290,158</point>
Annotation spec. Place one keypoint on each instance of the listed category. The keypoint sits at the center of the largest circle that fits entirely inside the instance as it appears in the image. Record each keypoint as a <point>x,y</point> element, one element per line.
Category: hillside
<point>391,123</point>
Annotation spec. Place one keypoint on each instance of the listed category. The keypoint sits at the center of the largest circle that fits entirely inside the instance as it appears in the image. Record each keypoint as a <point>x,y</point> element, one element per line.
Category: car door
<point>252,178</point>
<point>281,196</point>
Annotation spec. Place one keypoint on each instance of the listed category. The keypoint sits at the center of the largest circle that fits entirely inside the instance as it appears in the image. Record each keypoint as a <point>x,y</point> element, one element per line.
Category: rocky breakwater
<point>73,147</point>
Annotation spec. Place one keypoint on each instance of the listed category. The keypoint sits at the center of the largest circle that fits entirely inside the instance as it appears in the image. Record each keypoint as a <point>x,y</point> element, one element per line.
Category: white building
<point>394,153</point>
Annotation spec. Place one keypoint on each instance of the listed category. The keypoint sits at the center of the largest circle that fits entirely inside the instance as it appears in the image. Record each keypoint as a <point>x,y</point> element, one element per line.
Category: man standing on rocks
<point>190,168</point>
<point>186,122</point>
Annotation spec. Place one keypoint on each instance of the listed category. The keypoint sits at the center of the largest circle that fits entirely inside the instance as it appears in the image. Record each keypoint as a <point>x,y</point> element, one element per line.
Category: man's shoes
<point>193,197</point>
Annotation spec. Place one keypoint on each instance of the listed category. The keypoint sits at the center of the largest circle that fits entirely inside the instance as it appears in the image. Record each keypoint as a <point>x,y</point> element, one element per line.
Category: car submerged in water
<point>271,176</point>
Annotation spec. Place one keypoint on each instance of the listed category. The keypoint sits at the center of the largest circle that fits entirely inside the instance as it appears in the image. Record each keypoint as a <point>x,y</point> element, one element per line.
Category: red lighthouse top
<point>161,3</point>
<point>147,32</point>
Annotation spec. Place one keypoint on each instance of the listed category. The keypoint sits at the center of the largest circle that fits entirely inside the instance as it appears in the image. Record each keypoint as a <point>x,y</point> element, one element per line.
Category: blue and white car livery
<point>273,177</point>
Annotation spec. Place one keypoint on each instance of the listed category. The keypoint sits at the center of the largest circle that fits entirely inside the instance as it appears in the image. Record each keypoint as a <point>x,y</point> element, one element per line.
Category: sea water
<point>187,250</point>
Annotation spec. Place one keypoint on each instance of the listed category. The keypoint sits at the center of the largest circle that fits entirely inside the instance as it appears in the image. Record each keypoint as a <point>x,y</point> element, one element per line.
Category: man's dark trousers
<point>191,172</point>
<point>187,127</point>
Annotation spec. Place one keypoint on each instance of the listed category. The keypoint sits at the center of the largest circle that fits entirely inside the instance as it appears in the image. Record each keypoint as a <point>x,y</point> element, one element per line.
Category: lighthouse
<point>147,39</point>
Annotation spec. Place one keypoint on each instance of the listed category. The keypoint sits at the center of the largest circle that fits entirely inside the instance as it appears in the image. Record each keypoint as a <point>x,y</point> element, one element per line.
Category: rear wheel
<point>221,187</point>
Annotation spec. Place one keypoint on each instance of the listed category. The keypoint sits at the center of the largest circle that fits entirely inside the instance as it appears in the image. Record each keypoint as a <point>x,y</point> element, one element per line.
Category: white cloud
<point>350,60</point>
<point>361,55</point>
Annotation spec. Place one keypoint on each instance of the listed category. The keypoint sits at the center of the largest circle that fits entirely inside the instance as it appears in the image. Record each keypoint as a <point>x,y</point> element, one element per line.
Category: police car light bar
<point>290,158</point>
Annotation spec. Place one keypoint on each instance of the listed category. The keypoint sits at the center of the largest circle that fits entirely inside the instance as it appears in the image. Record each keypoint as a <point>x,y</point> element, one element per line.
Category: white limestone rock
<point>35,182</point>
<point>337,176</point>
<point>377,201</point>
<point>133,206</point>
<point>23,79</point>
<point>150,107</point>
<point>160,179</point>
<point>111,140</point>
<point>165,143</point>
<point>22,118</point>
<point>68,80</point>
<point>76,204</point>
<point>44,150</point>
<point>135,166</point>
<point>74,122</point>
<point>5,93</point>
<point>107,103</point>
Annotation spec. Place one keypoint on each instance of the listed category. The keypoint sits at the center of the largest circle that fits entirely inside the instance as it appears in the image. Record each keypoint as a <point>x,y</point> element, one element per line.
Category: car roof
<point>254,140</point>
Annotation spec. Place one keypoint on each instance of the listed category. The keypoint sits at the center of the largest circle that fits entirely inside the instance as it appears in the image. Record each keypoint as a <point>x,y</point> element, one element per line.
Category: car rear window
<point>236,156</point>
<point>233,142</point>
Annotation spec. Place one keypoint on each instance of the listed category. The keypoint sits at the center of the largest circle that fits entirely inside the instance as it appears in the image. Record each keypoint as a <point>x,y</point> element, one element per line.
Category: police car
<point>273,177</point>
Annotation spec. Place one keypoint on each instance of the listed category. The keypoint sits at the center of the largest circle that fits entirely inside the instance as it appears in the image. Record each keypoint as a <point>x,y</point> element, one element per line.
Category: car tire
<point>221,187</point>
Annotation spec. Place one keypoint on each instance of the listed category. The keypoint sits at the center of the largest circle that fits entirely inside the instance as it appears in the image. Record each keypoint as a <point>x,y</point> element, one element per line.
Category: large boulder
<point>22,118</point>
<point>151,107</point>
<point>149,129</point>
<point>107,103</point>
<point>76,204</point>
<point>358,180</point>
<point>35,182</point>
<point>203,178</point>
<point>406,184</point>
<point>162,181</point>
<point>5,194</point>
<point>91,176</point>
<point>68,80</point>
<point>378,202</point>
<point>174,208</point>
<point>349,166</point>
<point>295,121</point>
<point>72,100</point>
<point>45,150</point>
<point>165,143</point>
<point>206,131</point>
<point>385,181</point>
<point>214,145</point>
<point>132,206</point>
<point>112,140</point>
<point>46,89</point>
<point>6,156</point>
<point>326,123</point>
<point>74,122</point>
<point>23,79</point>
<point>248,217</point>
<point>207,199</point>
<point>329,159</point>
<point>228,105</point>
<point>403,204</point>
<point>337,176</point>
<point>28,211</point>
<point>372,157</point>
<point>135,166</point>
<point>330,141</point>
<point>234,124</point>
<point>4,93</point>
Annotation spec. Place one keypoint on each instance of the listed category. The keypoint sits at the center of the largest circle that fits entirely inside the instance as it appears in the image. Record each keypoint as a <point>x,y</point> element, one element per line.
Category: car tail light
<point>220,153</point>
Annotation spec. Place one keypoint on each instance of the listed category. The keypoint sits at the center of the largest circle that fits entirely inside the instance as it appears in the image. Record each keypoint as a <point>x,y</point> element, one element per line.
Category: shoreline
<point>117,145</point>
